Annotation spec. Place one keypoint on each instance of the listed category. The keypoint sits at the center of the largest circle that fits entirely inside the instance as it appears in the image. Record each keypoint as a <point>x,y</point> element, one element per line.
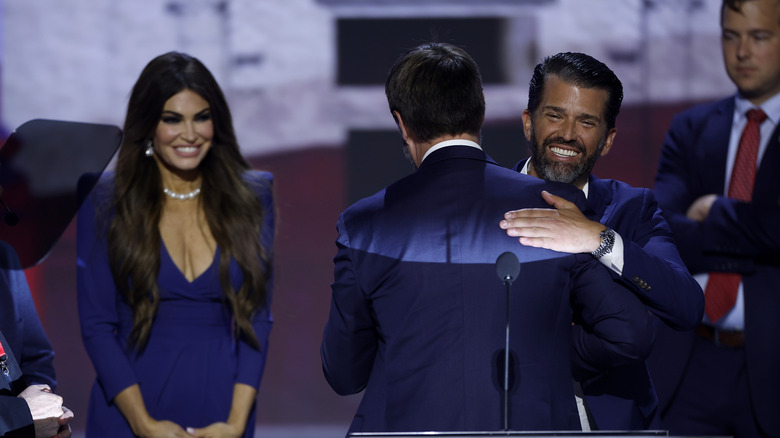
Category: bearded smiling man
<point>568,151</point>
<point>573,103</point>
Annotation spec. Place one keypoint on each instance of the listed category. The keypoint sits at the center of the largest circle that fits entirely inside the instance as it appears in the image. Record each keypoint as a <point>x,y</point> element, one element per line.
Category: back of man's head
<point>437,90</point>
<point>583,71</point>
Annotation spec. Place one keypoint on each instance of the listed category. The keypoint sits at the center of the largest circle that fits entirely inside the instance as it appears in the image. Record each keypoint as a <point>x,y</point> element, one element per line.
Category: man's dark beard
<point>551,170</point>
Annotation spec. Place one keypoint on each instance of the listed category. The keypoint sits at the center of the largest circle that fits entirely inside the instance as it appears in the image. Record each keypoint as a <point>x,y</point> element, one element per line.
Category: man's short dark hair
<point>736,6</point>
<point>583,71</point>
<point>437,90</point>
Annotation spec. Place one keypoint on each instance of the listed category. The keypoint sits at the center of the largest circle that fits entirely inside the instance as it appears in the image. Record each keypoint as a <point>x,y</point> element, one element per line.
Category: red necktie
<point>720,294</point>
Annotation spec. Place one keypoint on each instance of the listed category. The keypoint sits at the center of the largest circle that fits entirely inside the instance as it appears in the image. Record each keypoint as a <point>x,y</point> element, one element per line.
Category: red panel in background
<point>310,194</point>
<point>640,134</point>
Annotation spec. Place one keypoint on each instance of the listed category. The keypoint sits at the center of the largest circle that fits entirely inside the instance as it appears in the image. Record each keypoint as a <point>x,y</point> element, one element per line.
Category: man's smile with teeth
<point>563,152</point>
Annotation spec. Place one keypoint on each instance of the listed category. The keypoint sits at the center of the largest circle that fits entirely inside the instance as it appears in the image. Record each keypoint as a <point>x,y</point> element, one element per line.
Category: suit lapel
<point>767,186</point>
<point>599,198</point>
<point>714,146</point>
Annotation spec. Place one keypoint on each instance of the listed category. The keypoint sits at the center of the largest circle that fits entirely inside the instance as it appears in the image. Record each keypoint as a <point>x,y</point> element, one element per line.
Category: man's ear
<point>608,141</point>
<point>527,121</point>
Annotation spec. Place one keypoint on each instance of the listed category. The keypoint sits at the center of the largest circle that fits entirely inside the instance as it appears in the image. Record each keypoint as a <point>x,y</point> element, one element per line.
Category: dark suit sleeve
<point>611,327</point>
<point>676,189</point>
<point>97,304</point>
<point>349,343</point>
<point>656,273</point>
<point>15,418</point>
<point>25,334</point>
<point>742,229</point>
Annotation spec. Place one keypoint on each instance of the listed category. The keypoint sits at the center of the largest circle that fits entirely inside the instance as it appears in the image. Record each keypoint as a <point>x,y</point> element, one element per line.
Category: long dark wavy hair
<point>233,212</point>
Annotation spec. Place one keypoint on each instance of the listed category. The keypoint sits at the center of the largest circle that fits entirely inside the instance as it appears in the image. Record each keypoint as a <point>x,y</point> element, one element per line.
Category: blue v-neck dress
<point>192,360</point>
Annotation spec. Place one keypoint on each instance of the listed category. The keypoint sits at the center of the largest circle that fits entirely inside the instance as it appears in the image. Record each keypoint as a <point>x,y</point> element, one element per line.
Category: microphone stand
<point>507,268</point>
<point>508,285</point>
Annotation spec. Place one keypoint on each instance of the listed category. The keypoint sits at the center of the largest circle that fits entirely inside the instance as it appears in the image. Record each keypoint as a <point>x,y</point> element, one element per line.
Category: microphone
<point>10,217</point>
<point>507,268</point>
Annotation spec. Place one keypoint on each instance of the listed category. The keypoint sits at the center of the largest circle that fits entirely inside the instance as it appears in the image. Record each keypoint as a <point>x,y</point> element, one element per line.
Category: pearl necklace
<point>181,196</point>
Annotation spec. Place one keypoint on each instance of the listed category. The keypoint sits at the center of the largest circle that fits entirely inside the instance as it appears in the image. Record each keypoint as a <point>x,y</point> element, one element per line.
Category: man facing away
<point>417,313</point>
<point>573,103</point>
<point>718,183</point>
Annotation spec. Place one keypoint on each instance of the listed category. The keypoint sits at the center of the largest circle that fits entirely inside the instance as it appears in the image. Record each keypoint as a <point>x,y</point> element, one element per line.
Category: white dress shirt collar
<point>455,142</point>
<point>771,107</point>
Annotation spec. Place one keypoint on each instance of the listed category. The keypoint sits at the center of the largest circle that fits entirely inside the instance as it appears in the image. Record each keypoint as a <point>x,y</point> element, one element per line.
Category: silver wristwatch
<point>607,242</point>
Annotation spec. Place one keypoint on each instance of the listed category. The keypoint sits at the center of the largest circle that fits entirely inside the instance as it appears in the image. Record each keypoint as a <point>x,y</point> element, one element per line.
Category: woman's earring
<point>149,149</point>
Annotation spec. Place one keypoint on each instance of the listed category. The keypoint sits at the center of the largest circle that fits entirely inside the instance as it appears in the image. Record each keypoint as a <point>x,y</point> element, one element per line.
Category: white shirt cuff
<point>615,259</point>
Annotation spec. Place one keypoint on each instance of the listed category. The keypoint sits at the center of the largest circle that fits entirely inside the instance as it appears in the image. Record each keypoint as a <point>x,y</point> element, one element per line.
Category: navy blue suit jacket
<point>15,417</point>
<point>737,236</point>
<point>417,318</point>
<point>29,353</point>
<point>623,398</point>
<point>654,271</point>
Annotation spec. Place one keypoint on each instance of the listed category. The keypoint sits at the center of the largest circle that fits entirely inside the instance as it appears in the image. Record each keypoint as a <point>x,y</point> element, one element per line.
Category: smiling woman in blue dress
<point>174,266</point>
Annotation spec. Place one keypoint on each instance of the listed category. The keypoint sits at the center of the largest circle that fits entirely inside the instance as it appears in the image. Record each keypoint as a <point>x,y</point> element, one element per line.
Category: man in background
<point>718,184</point>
